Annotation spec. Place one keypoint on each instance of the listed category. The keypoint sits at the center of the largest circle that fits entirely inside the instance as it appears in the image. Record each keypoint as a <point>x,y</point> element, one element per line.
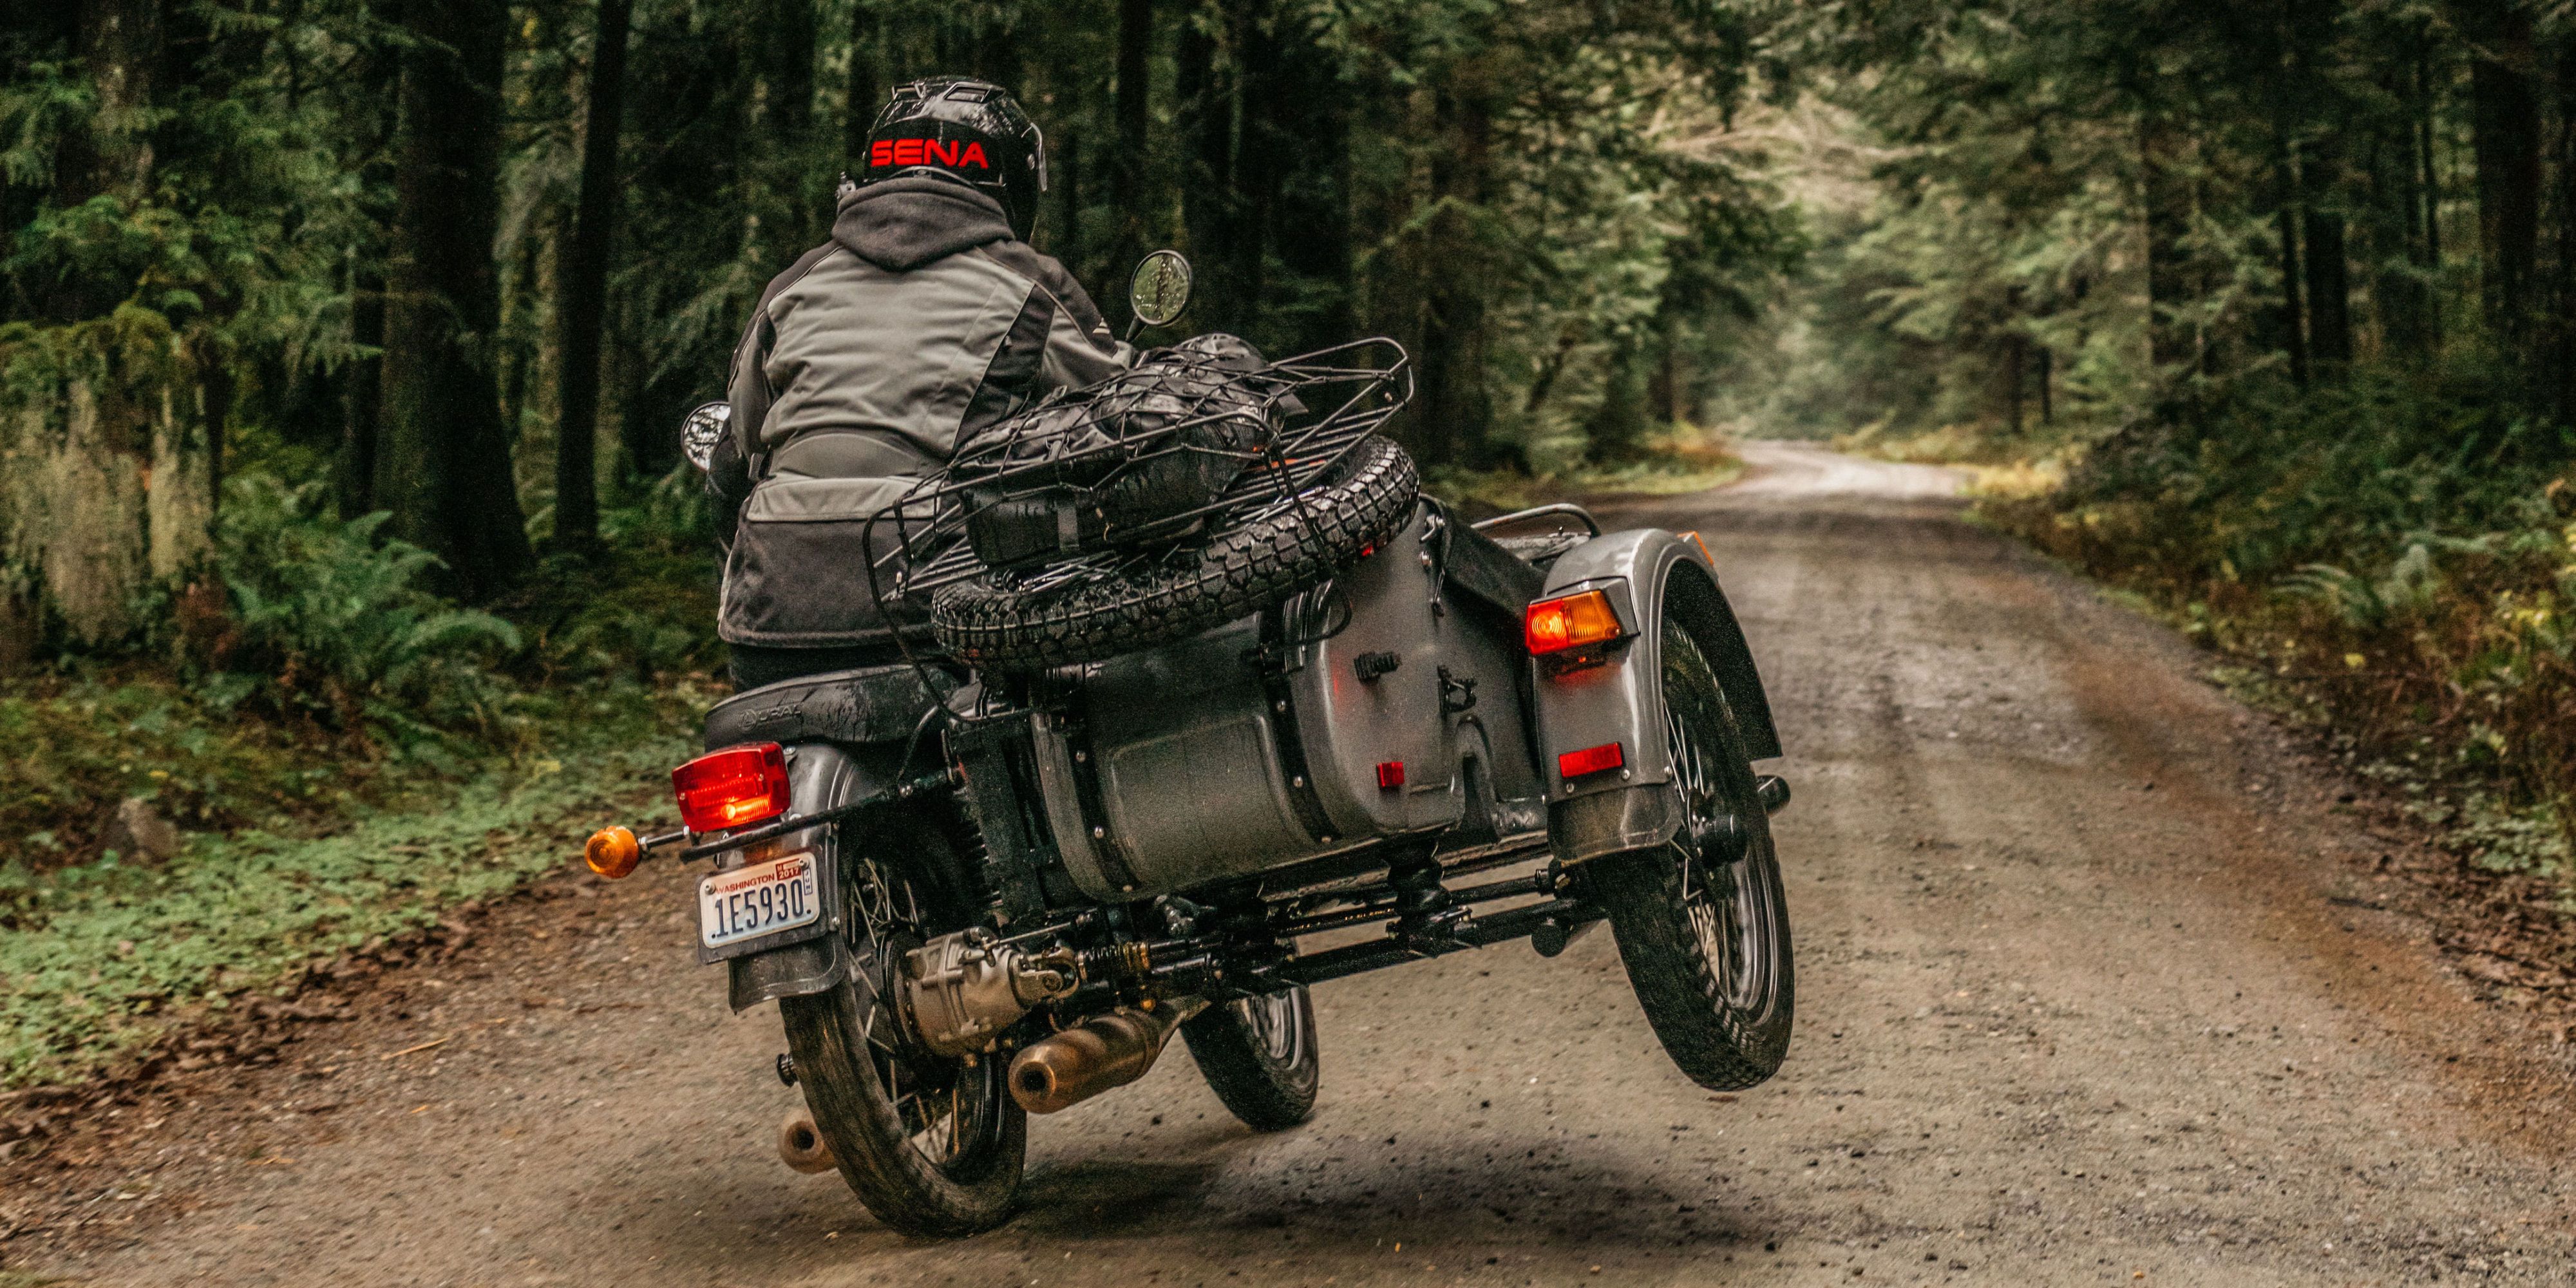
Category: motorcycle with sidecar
<point>1206,704</point>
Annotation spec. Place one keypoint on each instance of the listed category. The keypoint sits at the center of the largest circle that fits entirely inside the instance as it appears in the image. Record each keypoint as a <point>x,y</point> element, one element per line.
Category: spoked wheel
<point>1258,1055</point>
<point>1703,927</point>
<point>932,1145</point>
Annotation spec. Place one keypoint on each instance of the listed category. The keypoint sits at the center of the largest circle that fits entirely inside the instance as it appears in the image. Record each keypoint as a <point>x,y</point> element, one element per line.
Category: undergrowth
<point>110,955</point>
<point>344,753</point>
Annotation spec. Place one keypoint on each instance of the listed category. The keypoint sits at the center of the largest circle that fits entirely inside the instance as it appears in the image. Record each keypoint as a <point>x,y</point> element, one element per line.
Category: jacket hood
<point>902,224</point>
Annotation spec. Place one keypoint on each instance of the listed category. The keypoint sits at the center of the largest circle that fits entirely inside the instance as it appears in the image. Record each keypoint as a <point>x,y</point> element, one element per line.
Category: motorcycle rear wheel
<point>1706,940</point>
<point>1258,1055</point>
<point>932,1146</point>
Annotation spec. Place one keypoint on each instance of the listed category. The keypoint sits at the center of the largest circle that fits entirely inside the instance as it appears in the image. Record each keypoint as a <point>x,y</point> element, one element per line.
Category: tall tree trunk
<point>1261,158</point>
<point>2047,386</point>
<point>1313,224</point>
<point>1456,407</point>
<point>2560,376</point>
<point>108,153</point>
<point>2329,275</point>
<point>2395,239</point>
<point>581,313</point>
<point>353,470</point>
<point>1127,164</point>
<point>1064,155</point>
<point>2166,196</point>
<point>784,127</point>
<point>1207,114</point>
<point>997,50</point>
<point>2431,188</point>
<point>1664,383</point>
<point>866,91</point>
<point>2293,325</point>
<point>2322,181</point>
<point>119,45</point>
<point>443,458</point>
<point>2504,111</point>
<point>362,393</point>
<point>2016,379</point>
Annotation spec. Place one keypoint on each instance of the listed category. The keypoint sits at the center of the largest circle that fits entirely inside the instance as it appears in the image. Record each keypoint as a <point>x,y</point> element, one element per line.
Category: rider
<point>925,318</point>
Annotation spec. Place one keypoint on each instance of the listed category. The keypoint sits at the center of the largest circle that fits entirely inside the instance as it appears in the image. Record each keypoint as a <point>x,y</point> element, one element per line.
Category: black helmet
<point>972,130</point>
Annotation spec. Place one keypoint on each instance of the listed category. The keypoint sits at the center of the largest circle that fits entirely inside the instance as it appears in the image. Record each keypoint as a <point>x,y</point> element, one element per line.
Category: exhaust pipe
<point>1066,1068</point>
<point>1774,791</point>
<point>801,1144</point>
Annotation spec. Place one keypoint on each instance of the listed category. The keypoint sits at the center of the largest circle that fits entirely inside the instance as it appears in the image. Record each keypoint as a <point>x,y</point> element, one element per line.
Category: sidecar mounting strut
<point>1471,932</point>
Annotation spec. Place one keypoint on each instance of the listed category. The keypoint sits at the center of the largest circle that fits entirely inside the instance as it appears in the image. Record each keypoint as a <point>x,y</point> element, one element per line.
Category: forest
<point>346,340</point>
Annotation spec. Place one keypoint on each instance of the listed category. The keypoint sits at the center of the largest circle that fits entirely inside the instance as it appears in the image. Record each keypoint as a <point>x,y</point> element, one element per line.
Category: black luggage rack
<point>930,519</point>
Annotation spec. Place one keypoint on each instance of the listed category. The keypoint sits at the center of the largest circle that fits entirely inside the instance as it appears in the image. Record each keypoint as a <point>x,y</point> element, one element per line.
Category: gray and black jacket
<point>922,321</point>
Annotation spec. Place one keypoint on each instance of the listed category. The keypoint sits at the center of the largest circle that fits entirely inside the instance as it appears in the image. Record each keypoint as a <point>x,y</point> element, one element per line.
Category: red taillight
<point>1390,775</point>
<point>1576,621</point>
<point>1590,760</point>
<point>729,788</point>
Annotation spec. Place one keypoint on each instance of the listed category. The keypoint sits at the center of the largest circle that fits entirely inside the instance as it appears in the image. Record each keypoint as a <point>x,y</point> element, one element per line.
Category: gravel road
<point>2094,988</point>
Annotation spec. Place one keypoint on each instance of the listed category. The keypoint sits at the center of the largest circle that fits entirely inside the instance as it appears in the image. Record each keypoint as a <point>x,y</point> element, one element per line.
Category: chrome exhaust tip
<point>801,1145</point>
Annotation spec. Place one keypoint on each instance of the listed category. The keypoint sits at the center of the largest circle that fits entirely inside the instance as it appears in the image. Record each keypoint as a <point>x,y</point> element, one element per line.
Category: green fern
<point>334,617</point>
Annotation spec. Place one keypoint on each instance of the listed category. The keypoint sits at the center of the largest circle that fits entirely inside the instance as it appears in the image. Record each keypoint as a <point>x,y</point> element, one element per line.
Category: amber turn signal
<point>1576,621</point>
<point>612,852</point>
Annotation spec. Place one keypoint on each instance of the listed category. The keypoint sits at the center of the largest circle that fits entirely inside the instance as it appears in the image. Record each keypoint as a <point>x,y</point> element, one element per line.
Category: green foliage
<point>329,618</point>
<point>108,956</point>
<point>72,747</point>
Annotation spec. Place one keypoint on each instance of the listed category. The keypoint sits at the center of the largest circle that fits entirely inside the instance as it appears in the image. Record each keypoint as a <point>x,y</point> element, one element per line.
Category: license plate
<point>761,899</point>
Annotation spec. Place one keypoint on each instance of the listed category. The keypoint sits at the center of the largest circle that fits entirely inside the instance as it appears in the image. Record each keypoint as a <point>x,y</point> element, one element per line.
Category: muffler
<point>1068,1067</point>
<point>801,1144</point>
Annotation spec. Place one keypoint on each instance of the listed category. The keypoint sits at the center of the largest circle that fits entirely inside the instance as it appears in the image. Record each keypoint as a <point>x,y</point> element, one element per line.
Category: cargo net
<point>1104,483</point>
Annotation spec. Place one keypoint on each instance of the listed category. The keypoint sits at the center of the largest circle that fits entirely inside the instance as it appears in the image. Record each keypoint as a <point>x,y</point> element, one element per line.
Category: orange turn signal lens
<point>732,788</point>
<point>1576,621</point>
<point>612,852</point>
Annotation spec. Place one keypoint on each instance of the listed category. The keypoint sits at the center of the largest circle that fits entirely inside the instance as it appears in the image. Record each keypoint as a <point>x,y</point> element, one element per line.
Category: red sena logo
<point>926,152</point>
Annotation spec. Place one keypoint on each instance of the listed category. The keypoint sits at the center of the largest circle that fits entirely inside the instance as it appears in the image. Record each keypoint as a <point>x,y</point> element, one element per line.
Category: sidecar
<point>1452,698</point>
<point>1492,688</point>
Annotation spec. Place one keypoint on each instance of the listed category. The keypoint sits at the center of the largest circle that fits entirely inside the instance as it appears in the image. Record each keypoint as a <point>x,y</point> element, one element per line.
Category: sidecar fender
<point>1649,575</point>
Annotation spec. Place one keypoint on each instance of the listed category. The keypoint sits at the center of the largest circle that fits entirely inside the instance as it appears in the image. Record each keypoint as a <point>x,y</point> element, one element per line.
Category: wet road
<point>2075,1007</point>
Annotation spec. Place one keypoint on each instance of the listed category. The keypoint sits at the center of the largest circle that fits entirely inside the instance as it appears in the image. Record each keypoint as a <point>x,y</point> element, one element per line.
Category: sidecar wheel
<point>932,1146</point>
<point>1258,1055</point>
<point>1706,942</point>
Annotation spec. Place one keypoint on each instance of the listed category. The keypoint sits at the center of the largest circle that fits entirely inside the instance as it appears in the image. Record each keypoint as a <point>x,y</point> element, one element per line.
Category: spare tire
<point>1236,573</point>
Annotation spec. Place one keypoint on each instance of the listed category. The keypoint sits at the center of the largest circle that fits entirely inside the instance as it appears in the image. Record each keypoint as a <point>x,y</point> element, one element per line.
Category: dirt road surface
<point>2092,990</point>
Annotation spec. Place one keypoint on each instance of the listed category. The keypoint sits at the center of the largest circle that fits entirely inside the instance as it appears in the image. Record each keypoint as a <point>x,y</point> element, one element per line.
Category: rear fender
<point>819,776</point>
<point>1646,573</point>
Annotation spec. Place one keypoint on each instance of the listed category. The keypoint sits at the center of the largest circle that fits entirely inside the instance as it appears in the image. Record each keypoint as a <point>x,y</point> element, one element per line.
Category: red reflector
<point>1390,775</point>
<point>1555,625</point>
<point>729,788</point>
<point>1590,760</point>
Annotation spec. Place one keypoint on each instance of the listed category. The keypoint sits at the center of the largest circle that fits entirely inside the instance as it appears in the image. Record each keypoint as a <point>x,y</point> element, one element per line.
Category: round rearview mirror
<point>1160,289</point>
<point>703,429</point>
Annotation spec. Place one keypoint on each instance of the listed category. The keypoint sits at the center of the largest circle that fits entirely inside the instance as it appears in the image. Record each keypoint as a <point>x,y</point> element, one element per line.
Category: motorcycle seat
<point>870,704</point>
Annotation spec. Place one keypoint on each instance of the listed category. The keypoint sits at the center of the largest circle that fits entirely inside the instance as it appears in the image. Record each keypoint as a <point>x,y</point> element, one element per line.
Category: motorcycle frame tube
<point>1647,573</point>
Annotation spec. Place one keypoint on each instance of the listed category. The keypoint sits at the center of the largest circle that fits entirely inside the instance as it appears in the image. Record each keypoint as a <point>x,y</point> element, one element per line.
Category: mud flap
<point>1632,818</point>
<point>792,971</point>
